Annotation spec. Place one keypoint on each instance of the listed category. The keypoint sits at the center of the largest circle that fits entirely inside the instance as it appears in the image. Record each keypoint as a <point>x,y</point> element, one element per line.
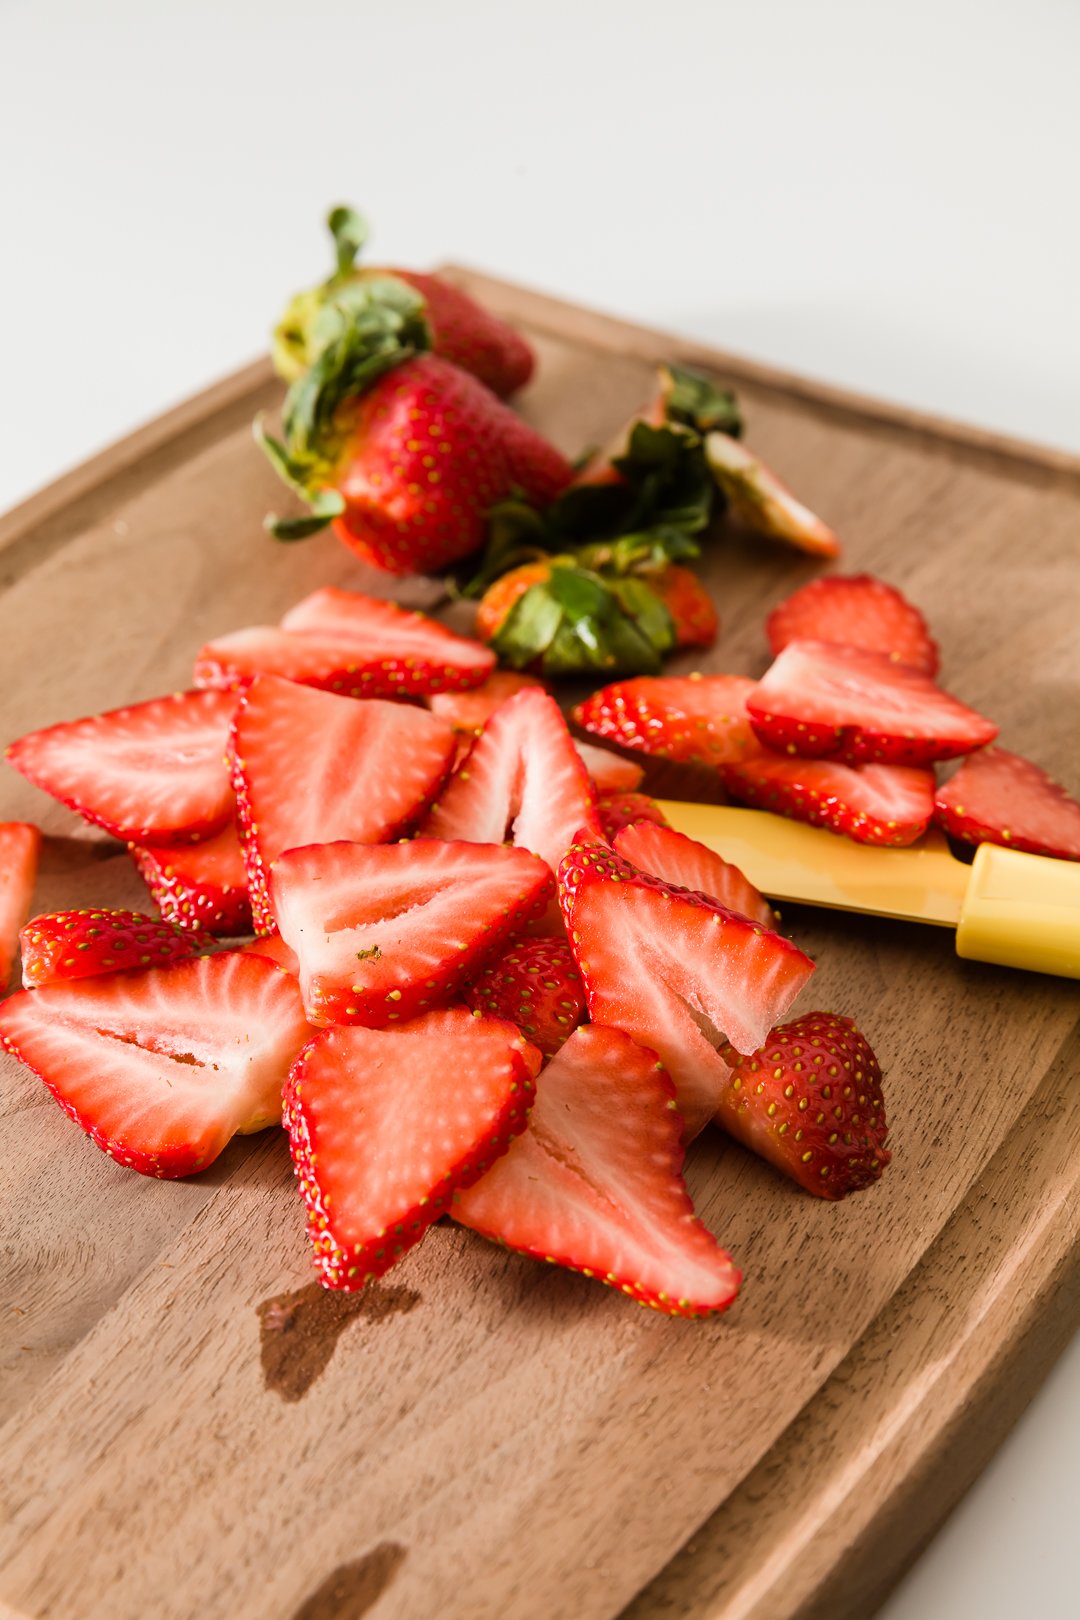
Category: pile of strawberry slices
<point>844,730</point>
<point>486,980</point>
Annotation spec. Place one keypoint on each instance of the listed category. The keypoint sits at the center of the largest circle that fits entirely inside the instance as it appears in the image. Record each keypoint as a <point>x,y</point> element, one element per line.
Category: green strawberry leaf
<point>696,402</point>
<point>350,232</point>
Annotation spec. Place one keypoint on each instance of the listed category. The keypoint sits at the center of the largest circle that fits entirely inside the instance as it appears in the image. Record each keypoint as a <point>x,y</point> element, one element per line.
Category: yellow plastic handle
<point>1022,911</point>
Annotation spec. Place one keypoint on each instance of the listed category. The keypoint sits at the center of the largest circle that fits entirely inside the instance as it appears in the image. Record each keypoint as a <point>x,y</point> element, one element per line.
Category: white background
<point>880,195</point>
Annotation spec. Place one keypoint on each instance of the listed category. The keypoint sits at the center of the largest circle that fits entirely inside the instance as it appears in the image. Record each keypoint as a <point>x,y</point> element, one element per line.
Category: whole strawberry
<point>462,331</point>
<point>401,450</point>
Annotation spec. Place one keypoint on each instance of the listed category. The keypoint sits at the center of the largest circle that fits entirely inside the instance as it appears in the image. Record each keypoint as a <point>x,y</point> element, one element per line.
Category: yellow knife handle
<point>1022,911</point>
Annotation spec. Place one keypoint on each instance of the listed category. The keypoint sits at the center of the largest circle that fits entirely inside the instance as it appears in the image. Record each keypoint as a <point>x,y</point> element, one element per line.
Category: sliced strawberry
<point>535,985</point>
<point>823,700</point>
<point>675,970</point>
<point>855,610</point>
<point>77,944</point>
<point>523,780</point>
<point>20,847</point>
<point>357,645</point>
<point>383,931</point>
<point>162,1067</point>
<point>385,1125</point>
<point>761,500</point>
<point>274,948</point>
<point>676,859</point>
<point>619,810</point>
<point>611,773</point>
<point>199,885</point>
<point>155,771</point>
<point>809,1100</point>
<point>459,1019</point>
<point>695,719</point>
<point>470,711</point>
<point>310,767</point>
<point>595,1181</point>
<point>872,804</point>
<point>999,798</point>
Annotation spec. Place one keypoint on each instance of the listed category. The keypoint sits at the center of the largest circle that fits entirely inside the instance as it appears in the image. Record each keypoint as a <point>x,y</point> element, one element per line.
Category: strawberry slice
<point>470,711</point>
<point>595,1181</point>
<point>824,700</point>
<point>274,948</point>
<point>385,1125</point>
<point>694,719</point>
<point>675,970</point>
<point>461,1020</point>
<point>356,645</point>
<point>535,985</point>
<point>152,772</point>
<point>682,861</point>
<point>809,1100</point>
<point>199,885</point>
<point>20,848</point>
<point>872,804</point>
<point>383,931</point>
<point>619,810</point>
<point>855,610</point>
<point>610,773</point>
<point>760,500</point>
<point>523,780</point>
<point>999,798</point>
<point>310,767</point>
<point>162,1067</point>
<point>77,944</point>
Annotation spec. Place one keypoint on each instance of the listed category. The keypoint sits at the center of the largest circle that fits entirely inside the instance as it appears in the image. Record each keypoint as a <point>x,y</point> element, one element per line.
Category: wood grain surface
<point>190,1428</point>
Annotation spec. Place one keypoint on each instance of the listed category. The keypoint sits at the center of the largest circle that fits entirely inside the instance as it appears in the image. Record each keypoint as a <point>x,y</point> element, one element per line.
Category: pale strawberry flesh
<point>311,767</point>
<point>1000,798</point>
<point>153,772</point>
<point>610,772</point>
<point>595,1182</point>
<point>383,931</point>
<point>855,610</point>
<point>762,501</point>
<point>820,700</point>
<point>682,861</point>
<point>200,885</point>
<point>162,1067</point>
<point>385,1125</point>
<point>20,849</point>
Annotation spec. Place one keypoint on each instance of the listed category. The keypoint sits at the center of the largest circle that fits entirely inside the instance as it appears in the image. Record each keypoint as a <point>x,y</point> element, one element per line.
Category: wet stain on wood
<point>352,1589</point>
<point>299,1330</point>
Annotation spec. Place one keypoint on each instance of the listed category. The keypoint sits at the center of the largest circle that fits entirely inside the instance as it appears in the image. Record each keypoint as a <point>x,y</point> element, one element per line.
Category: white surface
<point>881,196</point>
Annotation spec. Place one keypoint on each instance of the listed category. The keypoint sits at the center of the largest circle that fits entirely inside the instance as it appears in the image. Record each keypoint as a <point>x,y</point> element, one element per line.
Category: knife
<point>1007,907</point>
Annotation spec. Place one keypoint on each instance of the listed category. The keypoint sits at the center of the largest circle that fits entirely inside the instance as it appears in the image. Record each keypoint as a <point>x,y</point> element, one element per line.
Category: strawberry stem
<point>350,232</point>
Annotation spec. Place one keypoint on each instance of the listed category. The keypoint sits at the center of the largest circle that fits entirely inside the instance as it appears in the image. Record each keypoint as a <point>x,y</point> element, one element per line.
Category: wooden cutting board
<point>192,1428</point>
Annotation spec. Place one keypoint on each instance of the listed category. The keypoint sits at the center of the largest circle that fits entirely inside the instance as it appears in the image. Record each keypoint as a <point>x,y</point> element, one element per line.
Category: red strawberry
<point>999,798</point>
<point>20,847</point>
<point>694,719</point>
<point>459,1019</point>
<point>164,1066</point>
<point>610,773</point>
<point>469,712</point>
<point>595,1181</point>
<point>873,804</point>
<point>619,810</point>
<point>760,500</point>
<point>198,885</point>
<point>693,612</point>
<point>856,610</point>
<point>809,1100</point>
<point>679,860</point>
<point>274,948</point>
<point>153,771</point>
<point>408,465</point>
<point>462,330</point>
<point>823,700</point>
<point>523,779</point>
<point>536,985</point>
<point>385,1125</point>
<point>77,944</point>
<point>675,970</point>
<point>311,767</point>
<point>383,931</point>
